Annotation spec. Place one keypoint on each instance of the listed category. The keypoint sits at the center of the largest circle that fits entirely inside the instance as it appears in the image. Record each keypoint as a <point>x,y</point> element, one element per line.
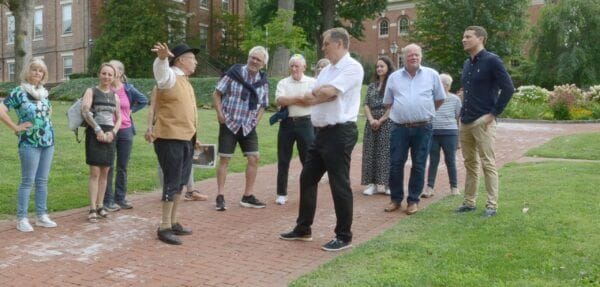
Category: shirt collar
<point>478,55</point>
<point>178,71</point>
<point>342,62</point>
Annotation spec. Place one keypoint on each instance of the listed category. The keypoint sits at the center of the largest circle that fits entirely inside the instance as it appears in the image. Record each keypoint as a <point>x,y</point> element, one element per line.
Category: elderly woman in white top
<point>445,137</point>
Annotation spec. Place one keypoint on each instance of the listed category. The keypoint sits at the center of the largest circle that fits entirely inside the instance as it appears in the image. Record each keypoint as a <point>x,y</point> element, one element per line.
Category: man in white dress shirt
<point>297,126</point>
<point>336,100</point>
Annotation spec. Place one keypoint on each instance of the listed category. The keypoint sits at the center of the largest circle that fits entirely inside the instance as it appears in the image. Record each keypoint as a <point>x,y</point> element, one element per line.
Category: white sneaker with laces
<point>23,225</point>
<point>370,189</point>
<point>45,221</point>
<point>281,199</point>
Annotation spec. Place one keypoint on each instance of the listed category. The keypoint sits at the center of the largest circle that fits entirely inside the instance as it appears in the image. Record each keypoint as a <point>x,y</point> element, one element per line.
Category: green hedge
<point>73,89</point>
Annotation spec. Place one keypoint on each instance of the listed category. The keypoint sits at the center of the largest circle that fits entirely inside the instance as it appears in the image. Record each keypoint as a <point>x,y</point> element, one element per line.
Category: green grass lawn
<point>583,146</point>
<point>554,243</point>
<point>69,174</point>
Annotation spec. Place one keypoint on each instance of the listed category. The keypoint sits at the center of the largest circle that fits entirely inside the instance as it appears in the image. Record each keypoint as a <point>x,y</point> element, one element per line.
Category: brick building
<point>388,33</point>
<point>64,32</point>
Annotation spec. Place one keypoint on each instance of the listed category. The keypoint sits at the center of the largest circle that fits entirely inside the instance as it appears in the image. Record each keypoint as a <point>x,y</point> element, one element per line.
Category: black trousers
<point>291,130</point>
<point>175,159</point>
<point>331,151</point>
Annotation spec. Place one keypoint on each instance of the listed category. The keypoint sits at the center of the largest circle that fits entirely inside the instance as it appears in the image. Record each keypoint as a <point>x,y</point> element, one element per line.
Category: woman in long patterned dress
<point>376,139</point>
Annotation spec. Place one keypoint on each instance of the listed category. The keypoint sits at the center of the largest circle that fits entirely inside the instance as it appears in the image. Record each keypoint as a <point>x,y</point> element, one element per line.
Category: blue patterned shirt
<point>236,110</point>
<point>41,133</point>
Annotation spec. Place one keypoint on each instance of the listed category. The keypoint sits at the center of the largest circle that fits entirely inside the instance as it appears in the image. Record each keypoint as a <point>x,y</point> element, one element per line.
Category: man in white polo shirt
<point>336,100</point>
<point>413,93</point>
<point>296,127</point>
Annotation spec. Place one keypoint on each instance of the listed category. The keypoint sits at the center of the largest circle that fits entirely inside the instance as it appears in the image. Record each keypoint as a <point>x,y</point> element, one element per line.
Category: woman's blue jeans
<point>35,167</point>
<point>448,144</point>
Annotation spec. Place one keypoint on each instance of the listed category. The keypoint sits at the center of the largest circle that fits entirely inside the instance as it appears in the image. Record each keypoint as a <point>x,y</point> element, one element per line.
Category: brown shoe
<point>412,208</point>
<point>392,206</point>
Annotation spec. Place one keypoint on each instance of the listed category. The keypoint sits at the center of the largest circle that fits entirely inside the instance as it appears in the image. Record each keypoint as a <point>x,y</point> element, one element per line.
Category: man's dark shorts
<point>228,141</point>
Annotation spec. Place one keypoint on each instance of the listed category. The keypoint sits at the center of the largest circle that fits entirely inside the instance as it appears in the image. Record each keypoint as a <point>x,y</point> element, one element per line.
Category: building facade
<point>388,33</point>
<point>64,32</point>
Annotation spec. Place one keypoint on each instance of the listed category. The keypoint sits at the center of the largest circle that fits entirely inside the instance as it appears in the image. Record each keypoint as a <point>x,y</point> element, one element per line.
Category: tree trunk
<point>282,54</point>
<point>328,12</point>
<point>23,12</point>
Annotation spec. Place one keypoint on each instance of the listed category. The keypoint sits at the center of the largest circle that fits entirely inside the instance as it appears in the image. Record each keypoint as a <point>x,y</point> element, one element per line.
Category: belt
<point>414,124</point>
<point>328,127</point>
<point>302,118</point>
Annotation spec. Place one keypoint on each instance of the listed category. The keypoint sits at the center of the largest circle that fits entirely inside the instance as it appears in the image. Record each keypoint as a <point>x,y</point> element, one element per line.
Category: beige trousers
<point>477,144</point>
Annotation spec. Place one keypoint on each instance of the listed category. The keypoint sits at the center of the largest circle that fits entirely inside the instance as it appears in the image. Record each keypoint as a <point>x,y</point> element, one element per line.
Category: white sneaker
<point>387,190</point>
<point>281,199</point>
<point>23,225</point>
<point>370,189</point>
<point>45,221</point>
<point>428,192</point>
<point>380,188</point>
<point>454,191</point>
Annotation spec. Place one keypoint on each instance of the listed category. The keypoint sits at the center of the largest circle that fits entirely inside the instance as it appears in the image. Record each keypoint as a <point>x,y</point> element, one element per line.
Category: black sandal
<point>92,216</point>
<point>102,213</point>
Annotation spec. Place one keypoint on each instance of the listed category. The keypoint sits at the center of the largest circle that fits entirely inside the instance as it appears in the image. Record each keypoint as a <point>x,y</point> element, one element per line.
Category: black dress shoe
<point>180,230</point>
<point>168,236</point>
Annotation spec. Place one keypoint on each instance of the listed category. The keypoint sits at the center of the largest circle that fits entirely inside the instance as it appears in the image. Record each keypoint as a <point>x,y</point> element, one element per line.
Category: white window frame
<point>11,63</point>
<point>40,36</point>
<point>403,30</point>
<point>10,29</point>
<point>63,56</point>
<point>381,28</point>
<point>63,5</point>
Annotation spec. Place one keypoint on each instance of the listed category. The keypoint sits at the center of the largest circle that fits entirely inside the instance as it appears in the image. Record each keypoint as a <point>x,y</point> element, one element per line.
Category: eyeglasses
<point>256,59</point>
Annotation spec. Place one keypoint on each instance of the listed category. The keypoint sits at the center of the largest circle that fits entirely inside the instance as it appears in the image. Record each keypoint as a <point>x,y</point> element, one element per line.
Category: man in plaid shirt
<point>240,100</point>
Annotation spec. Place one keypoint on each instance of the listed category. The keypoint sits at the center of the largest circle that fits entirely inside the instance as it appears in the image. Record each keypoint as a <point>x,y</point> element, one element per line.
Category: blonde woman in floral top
<point>36,140</point>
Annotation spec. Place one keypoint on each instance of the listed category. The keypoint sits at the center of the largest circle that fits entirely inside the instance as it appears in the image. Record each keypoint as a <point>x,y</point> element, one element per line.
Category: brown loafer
<point>412,208</point>
<point>392,206</point>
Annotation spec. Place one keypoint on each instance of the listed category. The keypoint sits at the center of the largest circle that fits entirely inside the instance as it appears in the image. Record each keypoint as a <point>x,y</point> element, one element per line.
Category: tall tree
<point>277,33</point>
<point>281,55</point>
<point>566,46</point>
<point>440,25</point>
<point>233,31</point>
<point>22,11</point>
<point>316,16</point>
<point>128,34</point>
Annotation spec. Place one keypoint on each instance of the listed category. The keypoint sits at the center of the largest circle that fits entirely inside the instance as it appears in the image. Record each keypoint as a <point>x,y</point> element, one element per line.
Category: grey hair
<point>408,47</point>
<point>297,57</point>
<point>338,34</point>
<point>262,50</point>
<point>446,80</point>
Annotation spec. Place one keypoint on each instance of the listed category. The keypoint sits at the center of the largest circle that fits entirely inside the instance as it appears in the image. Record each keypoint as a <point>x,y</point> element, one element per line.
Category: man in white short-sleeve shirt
<point>296,127</point>
<point>336,100</point>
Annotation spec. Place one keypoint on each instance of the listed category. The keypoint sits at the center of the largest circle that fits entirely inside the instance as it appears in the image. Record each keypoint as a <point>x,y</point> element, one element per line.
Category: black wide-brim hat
<point>180,50</point>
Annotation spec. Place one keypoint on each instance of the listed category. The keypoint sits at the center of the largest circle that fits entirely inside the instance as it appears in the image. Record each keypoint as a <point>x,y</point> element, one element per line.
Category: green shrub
<point>204,87</point>
<point>5,88</point>
<point>562,99</point>
<point>531,94</point>
<point>525,110</point>
<point>579,113</point>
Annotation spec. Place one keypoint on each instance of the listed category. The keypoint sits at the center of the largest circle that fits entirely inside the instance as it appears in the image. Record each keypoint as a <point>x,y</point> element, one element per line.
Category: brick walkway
<point>238,247</point>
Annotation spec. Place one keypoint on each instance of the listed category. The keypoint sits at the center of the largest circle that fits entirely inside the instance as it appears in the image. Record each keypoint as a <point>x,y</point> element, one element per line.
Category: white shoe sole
<point>248,205</point>
<point>46,225</point>
<point>339,249</point>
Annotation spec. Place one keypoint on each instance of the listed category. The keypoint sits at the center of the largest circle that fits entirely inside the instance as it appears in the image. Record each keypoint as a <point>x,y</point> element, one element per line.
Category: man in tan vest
<point>174,130</point>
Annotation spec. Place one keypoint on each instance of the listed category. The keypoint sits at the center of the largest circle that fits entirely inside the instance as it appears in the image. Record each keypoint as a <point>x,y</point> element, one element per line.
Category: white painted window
<point>67,60</point>
<point>203,4</point>
<point>384,28</point>
<point>67,19</point>
<point>203,37</point>
<point>10,27</point>
<point>38,23</point>
<point>403,26</point>
<point>225,6</point>
<point>10,69</point>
